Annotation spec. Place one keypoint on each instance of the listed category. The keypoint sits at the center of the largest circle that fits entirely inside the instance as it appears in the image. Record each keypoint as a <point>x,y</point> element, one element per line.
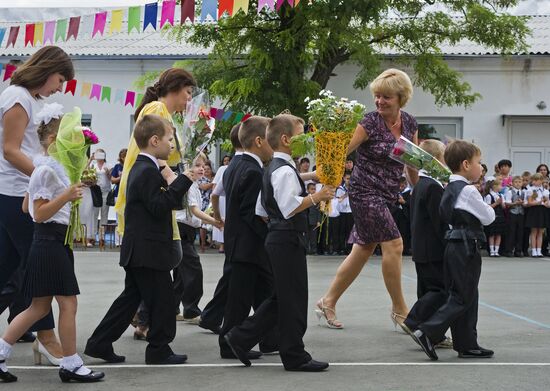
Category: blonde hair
<point>46,130</point>
<point>393,81</point>
<point>434,147</point>
<point>537,177</point>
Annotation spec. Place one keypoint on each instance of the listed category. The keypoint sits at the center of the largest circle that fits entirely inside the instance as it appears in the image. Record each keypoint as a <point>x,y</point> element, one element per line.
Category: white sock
<point>72,362</point>
<point>492,249</point>
<point>5,352</point>
<point>535,252</point>
<point>496,249</point>
<point>539,251</point>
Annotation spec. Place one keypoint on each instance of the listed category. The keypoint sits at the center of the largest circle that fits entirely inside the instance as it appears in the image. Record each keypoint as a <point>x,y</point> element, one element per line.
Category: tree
<point>272,61</point>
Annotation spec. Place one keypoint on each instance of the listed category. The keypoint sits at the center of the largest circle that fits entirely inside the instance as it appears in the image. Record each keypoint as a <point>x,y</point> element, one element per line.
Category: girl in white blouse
<point>50,265</point>
<point>536,199</point>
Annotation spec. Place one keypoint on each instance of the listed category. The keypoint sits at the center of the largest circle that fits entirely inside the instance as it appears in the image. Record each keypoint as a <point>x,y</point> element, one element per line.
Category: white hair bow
<point>49,111</point>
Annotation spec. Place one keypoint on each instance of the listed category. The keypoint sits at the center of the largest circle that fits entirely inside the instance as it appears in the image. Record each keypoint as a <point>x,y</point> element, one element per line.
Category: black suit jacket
<point>428,230</point>
<point>244,231</point>
<point>148,233</point>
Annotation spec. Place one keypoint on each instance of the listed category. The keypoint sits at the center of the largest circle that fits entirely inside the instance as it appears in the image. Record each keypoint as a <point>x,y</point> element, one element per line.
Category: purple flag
<point>130,97</point>
<point>49,30</point>
<point>99,23</point>
<point>96,91</point>
<point>167,15</point>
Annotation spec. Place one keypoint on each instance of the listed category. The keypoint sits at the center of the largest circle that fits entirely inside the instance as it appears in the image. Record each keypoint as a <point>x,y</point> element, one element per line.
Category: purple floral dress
<point>375,181</point>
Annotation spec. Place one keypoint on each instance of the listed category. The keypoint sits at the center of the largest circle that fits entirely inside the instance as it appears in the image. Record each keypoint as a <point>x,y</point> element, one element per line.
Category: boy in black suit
<point>244,232</point>
<point>402,215</point>
<point>284,201</point>
<point>147,252</point>
<point>428,244</point>
<point>463,208</point>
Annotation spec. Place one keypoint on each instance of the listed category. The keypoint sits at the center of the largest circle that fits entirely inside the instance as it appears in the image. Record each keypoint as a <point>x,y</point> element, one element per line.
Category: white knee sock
<point>496,249</point>
<point>5,352</point>
<point>72,362</point>
<point>492,249</point>
<point>539,251</point>
<point>535,252</point>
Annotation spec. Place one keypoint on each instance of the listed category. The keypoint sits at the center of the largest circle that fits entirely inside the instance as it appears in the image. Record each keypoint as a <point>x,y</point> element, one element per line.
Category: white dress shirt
<point>471,201</point>
<point>541,193</point>
<point>343,205</point>
<point>495,196</point>
<point>218,180</point>
<point>286,188</point>
<point>154,159</point>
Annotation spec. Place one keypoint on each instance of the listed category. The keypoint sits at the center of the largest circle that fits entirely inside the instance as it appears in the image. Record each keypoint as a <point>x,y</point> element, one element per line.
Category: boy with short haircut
<point>428,245</point>
<point>147,253</point>
<point>463,209</point>
<point>514,203</point>
<point>284,201</point>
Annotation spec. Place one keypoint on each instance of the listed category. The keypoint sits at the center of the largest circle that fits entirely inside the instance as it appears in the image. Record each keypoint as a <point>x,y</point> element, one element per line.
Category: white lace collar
<point>43,160</point>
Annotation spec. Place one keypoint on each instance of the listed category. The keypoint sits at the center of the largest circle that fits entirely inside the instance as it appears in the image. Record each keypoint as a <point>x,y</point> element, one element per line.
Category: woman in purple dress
<point>375,185</point>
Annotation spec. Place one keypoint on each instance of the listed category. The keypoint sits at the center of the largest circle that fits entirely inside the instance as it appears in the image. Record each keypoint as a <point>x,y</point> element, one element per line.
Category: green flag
<point>61,30</point>
<point>134,15</point>
<point>139,99</point>
<point>106,94</point>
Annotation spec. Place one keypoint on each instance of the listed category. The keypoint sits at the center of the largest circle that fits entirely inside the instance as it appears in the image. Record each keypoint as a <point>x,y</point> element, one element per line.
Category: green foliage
<point>268,62</point>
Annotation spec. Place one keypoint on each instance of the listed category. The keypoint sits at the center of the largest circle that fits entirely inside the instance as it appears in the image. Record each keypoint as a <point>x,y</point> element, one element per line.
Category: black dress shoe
<point>27,337</point>
<point>251,355</point>
<point>173,359</point>
<point>518,255</point>
<point>206,326</point>
<point>310,366</point>
<point>66,376</point>
<point>239,352</point>
<point>7,377</point>
<point>476,353</point>
<point>110,357</point>
<point>425,343</point>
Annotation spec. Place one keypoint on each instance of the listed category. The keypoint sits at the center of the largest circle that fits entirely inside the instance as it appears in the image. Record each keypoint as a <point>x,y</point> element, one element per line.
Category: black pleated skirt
<point>50,266</point>
<point>497,227</point>
<point>536,217</point>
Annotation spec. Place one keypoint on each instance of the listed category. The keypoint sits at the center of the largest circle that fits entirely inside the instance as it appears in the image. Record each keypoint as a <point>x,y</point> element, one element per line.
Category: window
<point>439,128</point>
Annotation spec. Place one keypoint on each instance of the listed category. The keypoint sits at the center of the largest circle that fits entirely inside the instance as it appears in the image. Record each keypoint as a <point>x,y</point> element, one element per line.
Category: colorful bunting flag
<point>2,33</point>
<point>86,87</point>
<point>279,4</point>
<point>134,16</point>
<point>96,91</point>
<point>270,4</point>
<point>130,97</point>
<point>240,5</point>
<point>227,115</point>
<point>225,6</point>
<point>167,15</point>
<point>238,118</point>
<point>38,33</point>
<point>219,114</point>
<point>10,68</point>
<point>296,2</point>
<point>139,99</point>
<point>291,3</point>
<point>213,111</point>
<point>49,31</point>
<point>99,23</point>
<point>14,32</point>
<point>119,96</point>
<point>209,7</point>
<point>116,22</point>
<point>29,34</point>
<point>60,30</point>
<point>106,94</point>
<point>74,25</point>
<point>150,18</point>
<point>247,116</point>
<point>71,86</point>
<point>187,11</point>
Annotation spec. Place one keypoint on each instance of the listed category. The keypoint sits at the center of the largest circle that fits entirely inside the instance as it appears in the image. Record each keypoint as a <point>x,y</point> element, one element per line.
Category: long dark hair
<point>45,62</point>
<point>171,80</point>
<point>543,165</point>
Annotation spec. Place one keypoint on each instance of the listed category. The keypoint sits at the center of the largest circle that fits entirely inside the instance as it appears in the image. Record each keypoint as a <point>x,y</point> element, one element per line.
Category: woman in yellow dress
<point>167,96</point>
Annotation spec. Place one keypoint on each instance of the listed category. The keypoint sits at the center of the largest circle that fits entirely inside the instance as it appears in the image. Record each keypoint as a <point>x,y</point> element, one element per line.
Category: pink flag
<point>167,15</point>
<point>291,2</point>
<point>96,91</point>
<point>270,4</point>
<point>130,97</point>
<point>14,31</point>
<point>279,4</point>
<point>10,68</point>
<point>49,30</point>
<point>74,25</point>
<point>99,23</point>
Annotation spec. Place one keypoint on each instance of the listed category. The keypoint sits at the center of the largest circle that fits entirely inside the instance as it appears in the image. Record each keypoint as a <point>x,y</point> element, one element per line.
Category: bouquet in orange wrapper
<point>333,121</point>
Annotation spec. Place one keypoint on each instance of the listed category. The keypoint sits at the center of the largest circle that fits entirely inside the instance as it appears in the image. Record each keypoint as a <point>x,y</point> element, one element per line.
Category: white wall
<point>510,86</point>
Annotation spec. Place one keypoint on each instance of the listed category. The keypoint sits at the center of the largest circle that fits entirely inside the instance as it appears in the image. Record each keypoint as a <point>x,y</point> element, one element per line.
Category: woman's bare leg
<point>391,270</point>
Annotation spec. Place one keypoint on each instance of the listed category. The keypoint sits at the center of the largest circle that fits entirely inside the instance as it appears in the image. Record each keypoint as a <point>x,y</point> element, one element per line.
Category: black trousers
<point>514,233</point>
<point>312,236</point>
<point>188,277</point>
<point>212,314</point>
<point>462,274</point>
<point>431,293</point>
<point>345,226</point>
<point>248,283</point>
<point>156,290</point>
<point>286,309</point>
<point>16,233</point>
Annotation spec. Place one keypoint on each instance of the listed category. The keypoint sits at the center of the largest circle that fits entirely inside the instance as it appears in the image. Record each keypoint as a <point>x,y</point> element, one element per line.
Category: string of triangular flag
<point>103,93</point>
<point>51,32</point>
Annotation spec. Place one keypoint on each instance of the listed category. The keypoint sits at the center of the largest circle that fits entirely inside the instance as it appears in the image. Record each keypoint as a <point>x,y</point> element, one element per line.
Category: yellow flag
<point>86,88</point>
<point>116,22</point>
<point>240,5</point>
<point>38,33</point>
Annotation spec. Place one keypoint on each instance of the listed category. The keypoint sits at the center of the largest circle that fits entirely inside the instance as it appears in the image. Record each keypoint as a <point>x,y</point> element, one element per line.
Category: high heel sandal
<point>321,312</point>
<point>39,350</point>
<point>7,377</point>
<point>399,319</point>
<point>140,334</point>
